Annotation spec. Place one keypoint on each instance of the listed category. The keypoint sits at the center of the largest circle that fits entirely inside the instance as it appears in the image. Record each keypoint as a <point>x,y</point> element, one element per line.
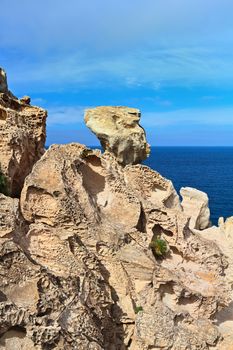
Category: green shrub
<point>158,247</point>
<point>137,309</point>
<point>3,183</point>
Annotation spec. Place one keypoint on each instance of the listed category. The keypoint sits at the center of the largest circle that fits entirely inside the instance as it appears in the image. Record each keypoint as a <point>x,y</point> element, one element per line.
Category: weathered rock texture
<point>80,264</point>
<point>22,137</point>
<point>78,273</point>
<point>119,132</point>
<point>195,205</point>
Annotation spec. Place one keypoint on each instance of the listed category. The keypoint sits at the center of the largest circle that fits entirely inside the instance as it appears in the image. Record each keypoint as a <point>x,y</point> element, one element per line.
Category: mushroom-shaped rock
<point>3,81</point>
<point>119,132</point>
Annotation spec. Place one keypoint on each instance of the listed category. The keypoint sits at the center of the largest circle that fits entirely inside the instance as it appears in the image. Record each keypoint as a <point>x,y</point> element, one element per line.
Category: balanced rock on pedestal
<point>119,132</point>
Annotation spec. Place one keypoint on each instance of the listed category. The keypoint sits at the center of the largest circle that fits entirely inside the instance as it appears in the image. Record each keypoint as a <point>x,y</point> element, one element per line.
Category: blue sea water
<point>209,169</point>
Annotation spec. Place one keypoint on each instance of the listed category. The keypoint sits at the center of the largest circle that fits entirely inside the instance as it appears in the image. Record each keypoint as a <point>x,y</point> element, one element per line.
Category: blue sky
<point>173,59</point>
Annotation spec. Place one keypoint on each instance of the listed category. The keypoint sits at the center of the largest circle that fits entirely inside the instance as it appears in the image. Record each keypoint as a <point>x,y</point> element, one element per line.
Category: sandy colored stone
<point>9,215</point>
<point>119,132</point>
<point>92,207</point>
<point>76,267</point>
<point>16,340</point>
<point>223,237</point>
<point>195,205</point>
<point>22,138</point>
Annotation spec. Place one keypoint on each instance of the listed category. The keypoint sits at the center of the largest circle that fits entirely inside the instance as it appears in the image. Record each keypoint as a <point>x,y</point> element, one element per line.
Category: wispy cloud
<point>184,66</point>
<point>153,43</point>
<point>188,117</point>
<point>163,54</point>
<point>64,115</point>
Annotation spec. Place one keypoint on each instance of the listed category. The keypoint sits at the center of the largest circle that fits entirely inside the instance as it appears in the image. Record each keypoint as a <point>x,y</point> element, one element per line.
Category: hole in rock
<point>2,296</point>
<point>158,188</point>
<point>12,333</point>
<point>166,288</point>
<point>3,114</point>
<point>224,315</point>
<point>178,319</point>
<point>93,182</point>
<point>189,300</point>
<point>170,201</point>
<point>159,230</point>
<point>141,225</point>
<point>175,251</point>
<point>168,296</point>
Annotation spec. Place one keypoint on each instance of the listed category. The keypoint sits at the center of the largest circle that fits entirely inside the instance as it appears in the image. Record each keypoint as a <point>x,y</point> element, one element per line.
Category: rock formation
<point>119,132</point>
<point>3,81</point>
<point>99,256</point>
<point>195,205</point>
<point>22,137</point>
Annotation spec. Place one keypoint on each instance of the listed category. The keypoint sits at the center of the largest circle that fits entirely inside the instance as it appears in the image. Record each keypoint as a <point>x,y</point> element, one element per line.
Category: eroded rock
<point>94,218</point>
<point>22,137</point>
<point>195,205</point>
<point>76,265</point>
<point>119,132</point>
<point>223,237</point>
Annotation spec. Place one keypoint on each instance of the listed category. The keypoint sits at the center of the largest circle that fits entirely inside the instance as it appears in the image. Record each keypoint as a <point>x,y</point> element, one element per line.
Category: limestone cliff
<point>22,137</point>
<point>96,255</point>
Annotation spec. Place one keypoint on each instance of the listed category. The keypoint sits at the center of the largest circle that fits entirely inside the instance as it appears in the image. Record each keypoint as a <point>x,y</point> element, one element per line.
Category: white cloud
<point>183,66</point>
<point>155,42</point>
<point>65,115</point>
<point>188,117</point>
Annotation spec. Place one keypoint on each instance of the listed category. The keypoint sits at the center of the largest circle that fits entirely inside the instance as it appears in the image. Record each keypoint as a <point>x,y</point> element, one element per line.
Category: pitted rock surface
<point>76,261</point>
<point>22,137</point>
<point>83,258</point>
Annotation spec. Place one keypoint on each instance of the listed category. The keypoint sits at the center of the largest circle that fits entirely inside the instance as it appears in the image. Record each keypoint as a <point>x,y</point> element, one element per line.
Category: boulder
<point>195,205</point>
<point>119,132</point>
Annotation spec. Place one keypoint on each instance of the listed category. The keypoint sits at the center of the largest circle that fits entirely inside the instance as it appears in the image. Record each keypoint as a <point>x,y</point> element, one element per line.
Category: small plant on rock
<point>159,247</point>
<point>138,308</point>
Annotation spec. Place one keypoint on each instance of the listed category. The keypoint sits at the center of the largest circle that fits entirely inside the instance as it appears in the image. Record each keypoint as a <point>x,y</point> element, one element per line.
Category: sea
<point>209,169</point>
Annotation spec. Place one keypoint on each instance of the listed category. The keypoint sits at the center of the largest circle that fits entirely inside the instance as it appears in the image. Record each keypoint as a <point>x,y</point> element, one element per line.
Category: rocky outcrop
<point>22,137</point>
<point>222,236</point>
<point>84,259</point>
<point>119,132</point>
<point>96,255</point>
<point>195,205</point>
